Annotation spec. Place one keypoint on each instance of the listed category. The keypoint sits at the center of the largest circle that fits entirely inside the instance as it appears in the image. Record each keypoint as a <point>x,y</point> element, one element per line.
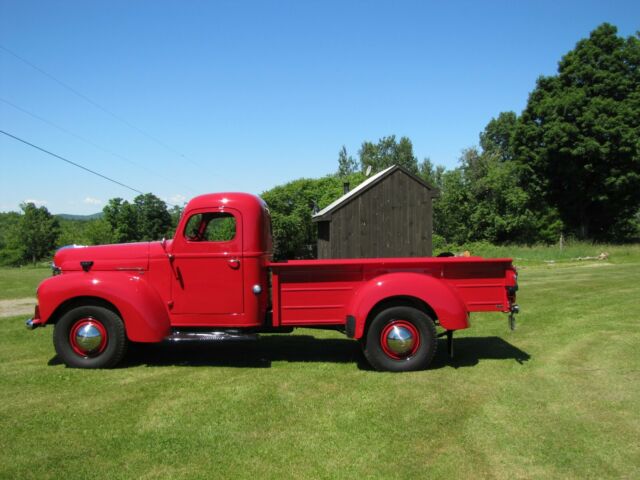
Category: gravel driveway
<point>17,306</point>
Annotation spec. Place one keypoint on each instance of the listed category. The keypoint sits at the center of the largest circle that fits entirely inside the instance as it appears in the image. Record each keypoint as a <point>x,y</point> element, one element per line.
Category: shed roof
<point>325,213</point>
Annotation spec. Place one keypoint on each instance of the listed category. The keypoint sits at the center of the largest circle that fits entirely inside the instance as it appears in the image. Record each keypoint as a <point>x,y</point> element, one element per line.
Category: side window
<point>211,227</point>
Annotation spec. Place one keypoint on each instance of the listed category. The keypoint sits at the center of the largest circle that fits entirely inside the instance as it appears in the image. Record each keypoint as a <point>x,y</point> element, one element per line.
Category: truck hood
<point>124,256</point>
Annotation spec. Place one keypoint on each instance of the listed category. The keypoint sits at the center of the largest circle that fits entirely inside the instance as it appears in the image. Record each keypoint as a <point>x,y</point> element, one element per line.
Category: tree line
<point>35,233</point>
<point>568,164</point>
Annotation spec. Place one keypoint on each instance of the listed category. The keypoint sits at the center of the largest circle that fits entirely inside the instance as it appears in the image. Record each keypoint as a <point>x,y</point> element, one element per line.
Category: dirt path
<point>17,306</point>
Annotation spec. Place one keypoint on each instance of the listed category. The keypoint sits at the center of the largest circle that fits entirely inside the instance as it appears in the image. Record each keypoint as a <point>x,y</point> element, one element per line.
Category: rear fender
<point>144,315</point>
<point>443,300</point>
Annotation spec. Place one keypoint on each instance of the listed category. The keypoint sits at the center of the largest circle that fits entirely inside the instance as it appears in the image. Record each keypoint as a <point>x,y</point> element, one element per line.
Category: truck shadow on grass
<point>468,351</point>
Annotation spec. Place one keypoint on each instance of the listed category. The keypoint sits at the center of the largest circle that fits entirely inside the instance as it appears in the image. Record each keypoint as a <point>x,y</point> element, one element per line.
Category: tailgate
<point>484,285</point>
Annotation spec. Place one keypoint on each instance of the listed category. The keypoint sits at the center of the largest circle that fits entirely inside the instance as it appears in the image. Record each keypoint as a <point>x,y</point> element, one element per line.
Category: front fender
<point>445,302</point>
<point>144,315</point>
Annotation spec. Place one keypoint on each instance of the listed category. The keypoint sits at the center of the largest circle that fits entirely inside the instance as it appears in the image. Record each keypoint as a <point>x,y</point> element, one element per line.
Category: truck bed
<point>319,292</point>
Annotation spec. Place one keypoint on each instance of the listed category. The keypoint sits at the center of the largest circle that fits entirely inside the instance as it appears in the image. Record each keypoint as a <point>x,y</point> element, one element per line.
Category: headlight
<point>55,269</point>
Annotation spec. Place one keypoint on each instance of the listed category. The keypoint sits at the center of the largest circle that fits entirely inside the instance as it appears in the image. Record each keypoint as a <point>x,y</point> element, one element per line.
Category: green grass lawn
<point>21,282</point>
<point>557,398</point>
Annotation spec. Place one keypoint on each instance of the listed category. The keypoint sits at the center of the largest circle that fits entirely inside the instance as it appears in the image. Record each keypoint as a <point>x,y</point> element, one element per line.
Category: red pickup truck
<point>215,281</point>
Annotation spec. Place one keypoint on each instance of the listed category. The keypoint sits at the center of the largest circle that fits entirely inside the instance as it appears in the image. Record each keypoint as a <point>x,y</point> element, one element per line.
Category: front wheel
<point>90,336</point>
<point>400,339</point>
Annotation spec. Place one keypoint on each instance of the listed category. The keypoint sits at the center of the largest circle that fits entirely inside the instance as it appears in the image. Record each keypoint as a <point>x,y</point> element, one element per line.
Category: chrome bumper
<point>30,324</point>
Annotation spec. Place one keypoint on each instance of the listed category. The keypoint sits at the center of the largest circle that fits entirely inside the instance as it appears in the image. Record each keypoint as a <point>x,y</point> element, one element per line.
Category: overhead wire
<point>99,106</point>
<point>75,164</point>
<point>88,142</point>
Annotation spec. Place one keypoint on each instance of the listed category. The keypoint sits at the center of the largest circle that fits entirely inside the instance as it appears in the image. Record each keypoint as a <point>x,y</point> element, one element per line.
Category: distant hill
<point>82,218</point>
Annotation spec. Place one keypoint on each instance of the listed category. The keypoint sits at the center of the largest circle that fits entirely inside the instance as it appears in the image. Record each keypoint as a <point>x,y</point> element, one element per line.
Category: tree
<point>577,139</point>
<point>451,211</point>
<point>123,220</point>
<point>291,206</point>
<point>497,136</point>
<point>483,200</point>
<point>72,232</point>
<point>388,152</point>
<point>147,218</point>
<point>501,210</point>
<point>176,213</point>
<point>346,164</point>
<point>38,232</point>
<point>98,232</point>
<point>431,174</point>
<point>11,252</point>
<point>153,218</point>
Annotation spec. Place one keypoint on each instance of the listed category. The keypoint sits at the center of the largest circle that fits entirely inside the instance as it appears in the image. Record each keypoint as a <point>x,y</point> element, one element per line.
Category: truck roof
<point>238,200</point>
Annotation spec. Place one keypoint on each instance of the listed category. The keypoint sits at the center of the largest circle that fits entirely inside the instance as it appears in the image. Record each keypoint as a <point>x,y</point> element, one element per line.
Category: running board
<point>215,336</point>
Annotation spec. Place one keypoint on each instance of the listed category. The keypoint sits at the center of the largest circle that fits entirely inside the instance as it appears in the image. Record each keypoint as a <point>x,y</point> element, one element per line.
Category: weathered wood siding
<point>393,218</point>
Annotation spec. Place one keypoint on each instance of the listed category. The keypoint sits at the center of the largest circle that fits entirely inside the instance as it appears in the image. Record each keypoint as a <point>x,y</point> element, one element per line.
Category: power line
<point>71,162</point>
<point>98,106</point>
<point>89,142</point>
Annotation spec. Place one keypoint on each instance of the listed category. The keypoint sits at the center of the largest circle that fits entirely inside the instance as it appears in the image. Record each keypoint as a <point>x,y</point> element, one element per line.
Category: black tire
<point>106,354</point>
<point>410,320</point>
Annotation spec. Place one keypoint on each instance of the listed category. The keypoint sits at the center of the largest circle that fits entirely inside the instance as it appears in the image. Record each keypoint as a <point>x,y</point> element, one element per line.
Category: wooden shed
<point>387,215</point>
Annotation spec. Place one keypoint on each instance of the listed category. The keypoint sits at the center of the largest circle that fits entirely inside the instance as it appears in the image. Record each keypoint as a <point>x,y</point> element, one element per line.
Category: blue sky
<point>242,96</point>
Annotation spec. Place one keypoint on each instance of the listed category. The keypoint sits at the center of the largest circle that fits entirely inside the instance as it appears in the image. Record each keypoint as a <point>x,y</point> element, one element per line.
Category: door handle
<point>234,263</point>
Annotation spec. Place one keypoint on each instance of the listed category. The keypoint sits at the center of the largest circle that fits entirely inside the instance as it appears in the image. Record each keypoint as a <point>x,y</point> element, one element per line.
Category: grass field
<point>557,398</point>
<point>21,282</point>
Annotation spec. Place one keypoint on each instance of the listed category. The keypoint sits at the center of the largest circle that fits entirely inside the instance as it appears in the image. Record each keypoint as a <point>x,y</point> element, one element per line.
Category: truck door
<point>208,265</point>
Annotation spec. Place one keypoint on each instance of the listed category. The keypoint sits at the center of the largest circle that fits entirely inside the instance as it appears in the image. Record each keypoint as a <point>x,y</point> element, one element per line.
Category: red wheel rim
<point>400,339</point>
<point>88,337</point>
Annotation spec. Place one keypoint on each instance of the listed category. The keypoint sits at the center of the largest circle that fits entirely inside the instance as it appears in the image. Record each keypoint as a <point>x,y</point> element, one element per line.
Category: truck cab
<point>218,259</point>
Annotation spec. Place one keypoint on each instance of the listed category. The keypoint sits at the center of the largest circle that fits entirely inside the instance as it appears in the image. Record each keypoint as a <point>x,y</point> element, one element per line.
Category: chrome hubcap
<point>400,340</point>
<point>88,337</point>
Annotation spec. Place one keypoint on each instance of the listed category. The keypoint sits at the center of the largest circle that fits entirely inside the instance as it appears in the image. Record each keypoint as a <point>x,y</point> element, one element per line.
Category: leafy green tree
<point>497,136</point>
<point>71,232</point>
<point>388,152</point>
<point>292,205</point>
<point>123,220</point>
<point>38,232</point>
<point>500,208</point>
<point>153,218</point>
<point>11,251</point>
<point>577,139</point>
<point>176,213</point>
<point>483,200</point>
<point>147,218</point>
<point>452,210</point>
<point>98,232</point>
<point>346,163</point>
<point>431,174</point>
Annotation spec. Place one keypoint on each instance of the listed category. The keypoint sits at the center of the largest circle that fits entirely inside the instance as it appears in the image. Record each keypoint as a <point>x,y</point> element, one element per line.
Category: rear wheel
<point>400,339</point>
<point>90,336</point>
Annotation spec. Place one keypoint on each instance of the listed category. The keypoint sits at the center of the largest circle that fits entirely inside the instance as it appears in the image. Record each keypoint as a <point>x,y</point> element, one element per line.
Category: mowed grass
<point>557,398</point>
<point>21,282</point>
